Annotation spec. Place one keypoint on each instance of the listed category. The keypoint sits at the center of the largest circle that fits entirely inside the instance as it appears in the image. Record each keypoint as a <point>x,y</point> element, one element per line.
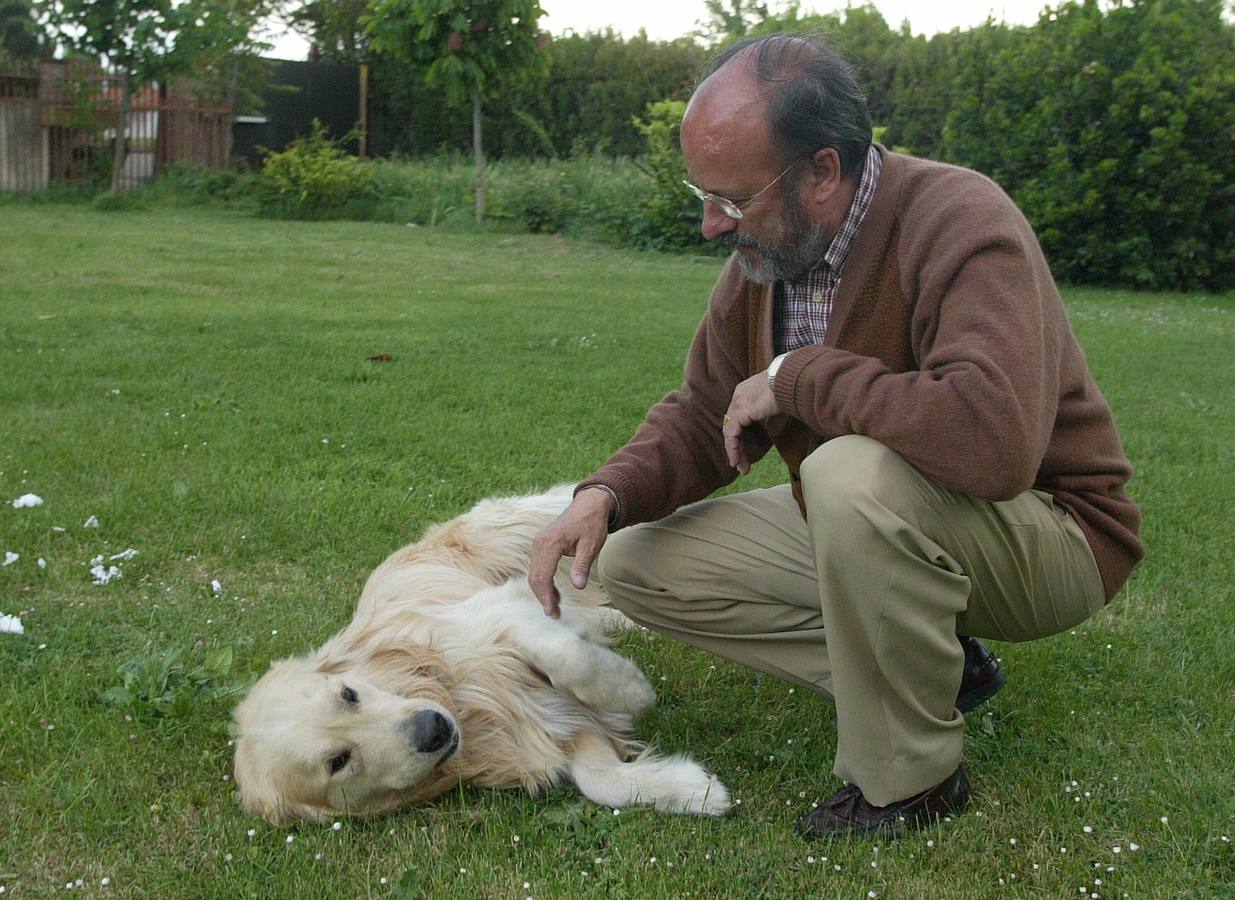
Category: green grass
<point>200,381</point>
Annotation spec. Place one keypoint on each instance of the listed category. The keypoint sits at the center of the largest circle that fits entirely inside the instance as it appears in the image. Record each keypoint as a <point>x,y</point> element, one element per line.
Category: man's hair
<point>813,96</point>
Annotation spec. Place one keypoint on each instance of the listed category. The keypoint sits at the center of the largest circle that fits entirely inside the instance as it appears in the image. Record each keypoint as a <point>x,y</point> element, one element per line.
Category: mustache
<point>733,240</point>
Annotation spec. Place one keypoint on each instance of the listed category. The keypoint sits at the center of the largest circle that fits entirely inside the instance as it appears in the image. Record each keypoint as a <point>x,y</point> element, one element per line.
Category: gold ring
<point>724,420</point>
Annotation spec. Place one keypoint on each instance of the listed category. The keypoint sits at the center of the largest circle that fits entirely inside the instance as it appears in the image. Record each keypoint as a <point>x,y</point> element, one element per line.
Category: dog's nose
<point>430,731</point>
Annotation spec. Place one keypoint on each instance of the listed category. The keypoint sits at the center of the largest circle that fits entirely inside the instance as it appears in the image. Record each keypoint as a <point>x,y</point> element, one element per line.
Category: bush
<point>314,178</point>
<point>1112,130</point>
<point>671,213</point>
<point>184,185</point>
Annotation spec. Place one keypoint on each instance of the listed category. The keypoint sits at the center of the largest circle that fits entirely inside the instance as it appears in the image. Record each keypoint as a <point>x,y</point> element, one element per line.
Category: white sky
<point>665,19</point>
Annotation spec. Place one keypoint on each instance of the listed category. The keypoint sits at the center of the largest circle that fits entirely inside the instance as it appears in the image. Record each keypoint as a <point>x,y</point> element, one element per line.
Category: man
<point>889,325</point>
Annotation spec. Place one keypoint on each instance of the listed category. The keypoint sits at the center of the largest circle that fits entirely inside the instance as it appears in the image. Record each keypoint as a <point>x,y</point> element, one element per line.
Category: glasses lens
<point>726,206</point>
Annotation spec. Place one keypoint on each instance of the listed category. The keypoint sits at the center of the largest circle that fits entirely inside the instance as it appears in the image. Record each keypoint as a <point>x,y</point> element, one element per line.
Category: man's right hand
<point>579,532</point>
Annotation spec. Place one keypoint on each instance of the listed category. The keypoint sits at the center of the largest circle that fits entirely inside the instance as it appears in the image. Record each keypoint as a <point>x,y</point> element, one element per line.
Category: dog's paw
<point>614,621</point>
<point>688,788</point>
<point>617,686</point>
<point>636,694</point>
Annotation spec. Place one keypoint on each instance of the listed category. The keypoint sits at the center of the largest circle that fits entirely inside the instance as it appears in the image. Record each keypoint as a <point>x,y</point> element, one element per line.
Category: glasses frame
<point>731,208</point>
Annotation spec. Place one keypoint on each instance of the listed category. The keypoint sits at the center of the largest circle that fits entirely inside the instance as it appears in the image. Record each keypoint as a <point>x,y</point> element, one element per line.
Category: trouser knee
<point>848,471</point>
<point>618,569</point>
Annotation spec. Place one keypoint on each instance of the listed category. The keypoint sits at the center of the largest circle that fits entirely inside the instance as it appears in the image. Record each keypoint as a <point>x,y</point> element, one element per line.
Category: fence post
<point>364,109</point>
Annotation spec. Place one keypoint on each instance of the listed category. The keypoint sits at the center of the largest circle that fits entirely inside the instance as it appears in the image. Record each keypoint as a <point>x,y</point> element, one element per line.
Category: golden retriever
<point>449,672</point>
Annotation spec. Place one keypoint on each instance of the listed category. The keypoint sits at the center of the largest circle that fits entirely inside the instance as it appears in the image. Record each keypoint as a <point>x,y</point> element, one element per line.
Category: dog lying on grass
<point>449,672</point>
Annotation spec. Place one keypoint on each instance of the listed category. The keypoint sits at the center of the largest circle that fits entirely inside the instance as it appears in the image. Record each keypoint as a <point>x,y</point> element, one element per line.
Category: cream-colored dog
<point>450,672</point>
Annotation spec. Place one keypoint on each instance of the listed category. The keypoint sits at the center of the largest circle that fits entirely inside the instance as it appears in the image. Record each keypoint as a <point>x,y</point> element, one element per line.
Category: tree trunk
<point>478,151</point>
<point>117,171</point>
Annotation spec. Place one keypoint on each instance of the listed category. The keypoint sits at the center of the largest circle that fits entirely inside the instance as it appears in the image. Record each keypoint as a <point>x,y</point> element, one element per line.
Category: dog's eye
<point>340,761</point>
<point>350,696</point>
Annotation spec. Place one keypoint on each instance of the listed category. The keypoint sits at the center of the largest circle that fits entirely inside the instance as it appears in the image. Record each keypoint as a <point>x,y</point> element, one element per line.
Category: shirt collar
<point>838,251</point>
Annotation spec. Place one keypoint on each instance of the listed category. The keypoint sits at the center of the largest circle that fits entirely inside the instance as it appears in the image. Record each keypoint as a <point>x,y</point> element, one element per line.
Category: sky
<point>665,19</point>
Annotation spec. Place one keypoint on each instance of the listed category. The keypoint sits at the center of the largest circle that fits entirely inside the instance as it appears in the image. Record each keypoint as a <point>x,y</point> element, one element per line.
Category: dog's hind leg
<point>670,784</point>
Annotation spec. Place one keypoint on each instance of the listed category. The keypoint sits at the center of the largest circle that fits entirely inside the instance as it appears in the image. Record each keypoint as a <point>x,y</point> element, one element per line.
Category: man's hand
<point>752,402</point>
<point>580,532</point>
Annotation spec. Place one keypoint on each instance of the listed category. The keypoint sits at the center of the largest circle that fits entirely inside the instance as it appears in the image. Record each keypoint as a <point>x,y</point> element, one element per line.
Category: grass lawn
<point>200,383</point>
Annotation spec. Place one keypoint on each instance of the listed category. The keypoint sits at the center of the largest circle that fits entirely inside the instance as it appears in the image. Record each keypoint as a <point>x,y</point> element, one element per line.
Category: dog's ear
<point>412,671</point>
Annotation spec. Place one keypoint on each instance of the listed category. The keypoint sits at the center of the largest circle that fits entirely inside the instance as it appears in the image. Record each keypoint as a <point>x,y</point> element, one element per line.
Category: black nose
<point>430,730</point>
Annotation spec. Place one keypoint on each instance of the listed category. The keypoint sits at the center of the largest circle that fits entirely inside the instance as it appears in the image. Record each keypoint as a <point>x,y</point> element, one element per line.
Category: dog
<point>450,672</point>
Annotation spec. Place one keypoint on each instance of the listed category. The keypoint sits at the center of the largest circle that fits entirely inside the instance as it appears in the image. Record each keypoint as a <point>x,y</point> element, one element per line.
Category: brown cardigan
<point>948,343</point>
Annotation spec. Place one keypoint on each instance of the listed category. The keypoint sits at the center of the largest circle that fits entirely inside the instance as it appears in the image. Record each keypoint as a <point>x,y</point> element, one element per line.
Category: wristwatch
<point>772,370</point>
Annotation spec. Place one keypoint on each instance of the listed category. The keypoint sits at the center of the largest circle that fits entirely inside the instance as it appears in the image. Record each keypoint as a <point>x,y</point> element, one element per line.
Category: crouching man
<point>890,326</point>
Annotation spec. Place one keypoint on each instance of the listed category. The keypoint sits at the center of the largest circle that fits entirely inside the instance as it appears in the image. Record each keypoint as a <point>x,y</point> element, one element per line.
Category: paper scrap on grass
<point>103,574</point>
<point>124,554</point>
<point>27,501</point>
<point>10,557</point>
<point>92,522</point>
<point>10,625</point>
<point>216,587</point>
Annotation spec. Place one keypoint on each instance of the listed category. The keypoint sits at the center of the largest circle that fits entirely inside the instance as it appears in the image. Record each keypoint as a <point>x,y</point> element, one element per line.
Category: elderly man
<point>890,326</point>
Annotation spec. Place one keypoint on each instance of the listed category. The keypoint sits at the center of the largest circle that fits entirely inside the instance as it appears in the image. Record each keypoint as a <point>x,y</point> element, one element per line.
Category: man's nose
<point>715,222</point>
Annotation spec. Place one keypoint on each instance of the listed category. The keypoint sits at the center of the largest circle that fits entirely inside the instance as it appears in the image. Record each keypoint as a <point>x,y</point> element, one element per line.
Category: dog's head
<point>322,736</point>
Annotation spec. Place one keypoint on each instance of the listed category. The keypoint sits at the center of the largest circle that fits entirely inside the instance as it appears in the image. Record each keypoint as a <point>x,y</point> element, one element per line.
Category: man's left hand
<point>752,402</point>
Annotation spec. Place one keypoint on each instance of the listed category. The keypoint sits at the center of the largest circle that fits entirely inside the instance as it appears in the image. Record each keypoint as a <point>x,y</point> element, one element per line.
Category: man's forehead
<point>725,136</point>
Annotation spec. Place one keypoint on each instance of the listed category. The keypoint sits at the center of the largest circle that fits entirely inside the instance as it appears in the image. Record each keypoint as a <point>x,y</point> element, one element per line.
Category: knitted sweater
<point>948,343</point>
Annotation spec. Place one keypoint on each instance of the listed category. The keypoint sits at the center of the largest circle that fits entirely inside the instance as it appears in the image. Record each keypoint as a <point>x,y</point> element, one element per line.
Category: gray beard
<point>800,250</point>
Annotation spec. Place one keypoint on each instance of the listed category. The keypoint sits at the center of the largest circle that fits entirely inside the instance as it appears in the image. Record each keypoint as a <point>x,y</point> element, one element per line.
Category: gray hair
<point>813,96</point>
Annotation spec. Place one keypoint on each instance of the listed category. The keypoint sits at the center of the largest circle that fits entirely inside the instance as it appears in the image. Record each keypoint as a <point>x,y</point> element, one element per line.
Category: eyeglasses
<point>730,208</point>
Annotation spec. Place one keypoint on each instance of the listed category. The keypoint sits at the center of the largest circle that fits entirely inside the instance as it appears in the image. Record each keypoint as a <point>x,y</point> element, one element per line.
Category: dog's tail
<point>670,784</point>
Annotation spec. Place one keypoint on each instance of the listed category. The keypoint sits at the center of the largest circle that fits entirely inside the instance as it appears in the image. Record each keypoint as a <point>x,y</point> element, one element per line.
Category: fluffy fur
<point>448,673</point>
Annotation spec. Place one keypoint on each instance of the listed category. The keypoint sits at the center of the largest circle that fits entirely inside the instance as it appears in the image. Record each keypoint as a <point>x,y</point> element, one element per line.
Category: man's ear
<point>825,174</point>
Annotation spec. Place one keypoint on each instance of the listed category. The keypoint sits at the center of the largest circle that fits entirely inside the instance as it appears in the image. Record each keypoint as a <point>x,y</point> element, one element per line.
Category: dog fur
<point>449,672</point>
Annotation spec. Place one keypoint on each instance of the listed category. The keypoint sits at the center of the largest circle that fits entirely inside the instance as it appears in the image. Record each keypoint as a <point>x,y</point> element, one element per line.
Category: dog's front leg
<point>593,674</point>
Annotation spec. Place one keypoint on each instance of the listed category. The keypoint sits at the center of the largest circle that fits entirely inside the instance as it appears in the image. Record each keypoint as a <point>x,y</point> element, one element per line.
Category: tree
<point>729,20</point>
<point>335,28</point>
<point>471,47</point>
<point>148,40</point>
<point>20,34</point>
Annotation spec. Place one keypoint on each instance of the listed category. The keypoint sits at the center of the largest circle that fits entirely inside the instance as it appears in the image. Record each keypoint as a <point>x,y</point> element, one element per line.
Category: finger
<point>540,579</point>
<point>584,554</point>
<point>733,447</point>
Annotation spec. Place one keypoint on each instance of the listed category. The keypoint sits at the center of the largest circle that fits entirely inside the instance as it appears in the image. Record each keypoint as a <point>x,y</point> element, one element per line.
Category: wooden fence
<point>58,122</point>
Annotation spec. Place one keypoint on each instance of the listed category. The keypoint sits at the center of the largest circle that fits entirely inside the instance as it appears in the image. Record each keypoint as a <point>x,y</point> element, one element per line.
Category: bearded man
<point>890,326</point>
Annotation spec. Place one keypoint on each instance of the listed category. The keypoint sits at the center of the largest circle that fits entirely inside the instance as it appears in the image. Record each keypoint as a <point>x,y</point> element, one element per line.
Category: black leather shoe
<point>982,678</point>
<point>846,814</point>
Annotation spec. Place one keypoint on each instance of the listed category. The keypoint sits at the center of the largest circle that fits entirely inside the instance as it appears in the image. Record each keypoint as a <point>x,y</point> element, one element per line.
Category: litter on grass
<point>92,522</point>
<point>103,574</point>
<point>26,501</point>
<point>10,557</point>
<point>10,625</point>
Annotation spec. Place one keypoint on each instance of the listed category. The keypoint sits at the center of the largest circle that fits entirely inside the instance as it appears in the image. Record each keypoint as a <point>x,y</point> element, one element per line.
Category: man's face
<point>729,151</point>
<point>787,246</point>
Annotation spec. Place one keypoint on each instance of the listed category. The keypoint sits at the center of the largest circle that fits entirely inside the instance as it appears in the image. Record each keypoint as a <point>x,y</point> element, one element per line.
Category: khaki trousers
<point>863,600</point>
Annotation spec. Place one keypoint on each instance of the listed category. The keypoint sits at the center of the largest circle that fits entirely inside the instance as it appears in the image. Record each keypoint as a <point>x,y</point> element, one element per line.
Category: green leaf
<point>218,662</point>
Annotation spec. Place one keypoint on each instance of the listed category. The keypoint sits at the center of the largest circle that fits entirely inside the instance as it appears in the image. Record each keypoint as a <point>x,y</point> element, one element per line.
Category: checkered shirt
<point>803,307</point>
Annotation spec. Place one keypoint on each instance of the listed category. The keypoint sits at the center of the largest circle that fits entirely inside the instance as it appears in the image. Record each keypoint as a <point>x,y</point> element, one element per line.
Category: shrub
<point>1112,130</point>
<point>313,178</point>
<point>671,213</point>
<point>183,185</point>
